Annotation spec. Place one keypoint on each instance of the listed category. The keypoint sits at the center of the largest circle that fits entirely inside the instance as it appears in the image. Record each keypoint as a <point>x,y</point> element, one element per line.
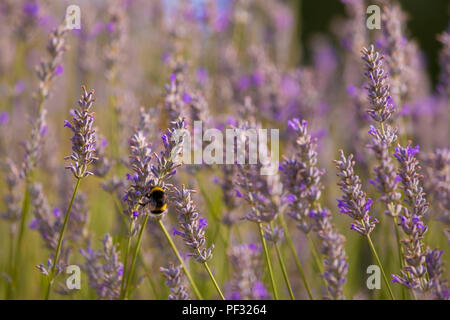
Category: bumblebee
<point>157,197</point>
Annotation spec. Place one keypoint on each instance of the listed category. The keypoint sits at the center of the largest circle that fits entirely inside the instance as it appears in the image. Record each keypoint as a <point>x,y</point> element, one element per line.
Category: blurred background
<point>236,60</point>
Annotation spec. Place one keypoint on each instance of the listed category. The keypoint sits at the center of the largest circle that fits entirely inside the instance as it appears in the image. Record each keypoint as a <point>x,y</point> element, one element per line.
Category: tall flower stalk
<point>356,205</point>
<point>255,191</point>
<point>247,270</point>
<point>383,136</point>
<point>46,72</point>
<point>104,269</point>
<point>303,188</point>
<point>83,148</point>
<point>192,230</point>
<point>414,273</point>
<point>147,176</point>
<point>174,280</point>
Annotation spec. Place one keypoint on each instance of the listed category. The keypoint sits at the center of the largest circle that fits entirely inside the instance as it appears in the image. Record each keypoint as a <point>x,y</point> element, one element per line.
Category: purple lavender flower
<point>301,177</point>
<point>192,228</point>
<point>247,270</point>
<point>49,227</point>
<point>175,90</point>
<point>444,78</point>
<point>378,88</point>
<point>47,70</point>
<point>12,198</point>
<point>30,8</point>
<point>104,269</point>
<point>413,273</point>
<point>335,261</point>
<point>102,164</point>
<point>435,269</point>
<point>33,147</point>
<point>170,158</point>
<point>174,280</point>
<point>4,118</point>
<point>201,75</point>
<point>83,140</point>
<point>117,27</point>
<point>354,201</point>
<point>438,167</point>
<point>394,43</point>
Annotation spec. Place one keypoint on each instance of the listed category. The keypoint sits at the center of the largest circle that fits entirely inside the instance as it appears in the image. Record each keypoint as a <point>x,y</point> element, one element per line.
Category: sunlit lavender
<point>128,198</point>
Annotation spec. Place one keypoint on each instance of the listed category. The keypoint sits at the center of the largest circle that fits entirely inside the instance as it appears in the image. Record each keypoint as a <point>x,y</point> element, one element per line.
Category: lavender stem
<point>283,270</point>
<point>294,253</point>
<point>212,278</point>
<point>125,264</point>
<point>269,264</point>
<point>135,254</point>
<point>175,251</point>
<point>386,281</point>
<point>61,235</point>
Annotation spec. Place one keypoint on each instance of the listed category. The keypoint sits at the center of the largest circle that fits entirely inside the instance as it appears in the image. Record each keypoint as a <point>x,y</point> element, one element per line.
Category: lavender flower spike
<point>247,269</point>
<point>189,220</point>
<point>83,140</point>
<point>34,145</point>
<point>378,88</point>
<point>104,269</point>
<point>332,247</point>
<point>383,136</point>
<point>192,230</point>
<point>413,273</point>
<point>174,280</point>
<point>46,71</point>
<point>435,269</point>
<point>301,177</point>
<point>354,202</point>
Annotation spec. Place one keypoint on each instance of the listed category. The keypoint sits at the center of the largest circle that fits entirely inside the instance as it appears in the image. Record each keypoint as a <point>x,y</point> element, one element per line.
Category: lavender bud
<point>104,269</point>
<point>247,270</point>
<point>174,280</point>
<point>192,233</point>
<point>83,140</point>
<point>353,202</point>
<point>301,177</point>
<point>332,247</point>
<point>378,88</point>
<point>34,146</point>
<point>435,269</point>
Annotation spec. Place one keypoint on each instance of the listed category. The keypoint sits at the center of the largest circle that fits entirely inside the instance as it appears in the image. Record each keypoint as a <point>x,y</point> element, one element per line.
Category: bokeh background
<point>293,58</point>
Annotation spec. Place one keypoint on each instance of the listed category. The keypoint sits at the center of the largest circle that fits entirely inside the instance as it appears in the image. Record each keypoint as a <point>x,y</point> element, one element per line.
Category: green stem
<point>10,264</point>
<point>177,254</point>
<point>23,219</point>
<point>213,279</point>
<point>269,264</point>
<point>135,254</point>
<point>294,253</point>
<point>125,264</point>
<point>381,266</point>
<point>284,271</point>
<point>61,236</point>
<point>147,275</point>
<point>399,251</point>
<point>315,254</point>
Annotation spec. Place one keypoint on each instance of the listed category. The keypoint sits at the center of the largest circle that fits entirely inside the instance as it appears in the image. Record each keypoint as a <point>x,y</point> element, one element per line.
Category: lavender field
<point>191,150</point>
